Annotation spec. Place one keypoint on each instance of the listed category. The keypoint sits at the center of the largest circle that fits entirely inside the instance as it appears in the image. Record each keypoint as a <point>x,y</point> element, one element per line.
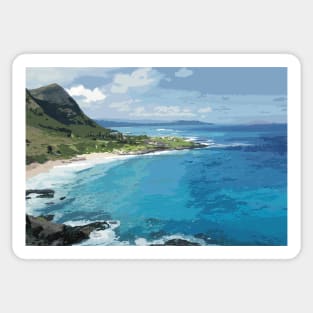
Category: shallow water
<point>234,192</point>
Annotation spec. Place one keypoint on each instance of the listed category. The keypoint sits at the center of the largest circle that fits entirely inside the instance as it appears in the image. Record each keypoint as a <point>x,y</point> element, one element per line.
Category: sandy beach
<point>38,168</point>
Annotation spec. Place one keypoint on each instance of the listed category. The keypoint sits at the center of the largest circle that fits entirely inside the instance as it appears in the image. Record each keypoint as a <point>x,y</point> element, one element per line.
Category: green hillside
<point>56,128</point>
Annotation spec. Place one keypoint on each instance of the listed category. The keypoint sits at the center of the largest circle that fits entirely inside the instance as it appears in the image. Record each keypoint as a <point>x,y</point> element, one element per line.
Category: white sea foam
<point>60,177</point>
<point>64,172</point>
<point>114,224</point>
<point>55,179</point>
<point>164,239</point>
<point>141,242</point>
<point>208,143</point>
<point>80,222</point>
<point>101,237</point>
<point>57,216</point>
<point>165,129</point>
<point>191,138</point>
<point>106,237</point>
<point>234,144</point>
<point>165,152</point>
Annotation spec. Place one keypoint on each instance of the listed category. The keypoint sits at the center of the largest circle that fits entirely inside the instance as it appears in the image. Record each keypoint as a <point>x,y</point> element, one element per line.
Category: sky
<point>210,94</point>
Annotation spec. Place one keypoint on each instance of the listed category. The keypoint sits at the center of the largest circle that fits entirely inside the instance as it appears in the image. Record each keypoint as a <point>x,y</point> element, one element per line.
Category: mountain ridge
<point>58,104</point>
<point>56,128</point>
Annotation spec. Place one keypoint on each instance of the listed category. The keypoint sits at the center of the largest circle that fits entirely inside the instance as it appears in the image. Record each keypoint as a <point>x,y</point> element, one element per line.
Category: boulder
<point>41,193</point>
<point>41,231</point>
<point>180,242</point>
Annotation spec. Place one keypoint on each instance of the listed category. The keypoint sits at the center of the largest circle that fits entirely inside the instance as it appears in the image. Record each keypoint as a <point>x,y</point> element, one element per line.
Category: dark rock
<point>27,198</point>
<point>45,230</point>
<point>180,242</point>
<point>32,228</point>
<point>87,229</point>
<point>58,242</point>
<point>73,235</point>
<point>42,193</point>
<point>113,222</point>
<point>41,231</point>
<point>39,191</point>
<point>48,217</point>
<point>48,195</point>
<point>62,198</point>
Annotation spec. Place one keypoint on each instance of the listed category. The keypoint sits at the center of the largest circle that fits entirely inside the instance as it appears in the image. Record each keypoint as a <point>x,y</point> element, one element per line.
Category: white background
<point>165,26</point>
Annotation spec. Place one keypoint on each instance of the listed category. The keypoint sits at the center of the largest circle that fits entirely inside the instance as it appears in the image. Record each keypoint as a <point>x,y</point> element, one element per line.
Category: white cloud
<point>139,78</point>
<point>205,110</point>
<point>87,94</point>
<point>183,72</point>
<point>163,111</point>
<point>139,111</point>
<point>122,106</point>
<point>40,76</point>
<point>170,109</point>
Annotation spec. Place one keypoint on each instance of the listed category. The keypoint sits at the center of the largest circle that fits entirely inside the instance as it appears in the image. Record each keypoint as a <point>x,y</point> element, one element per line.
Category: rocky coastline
<point>42,231</point>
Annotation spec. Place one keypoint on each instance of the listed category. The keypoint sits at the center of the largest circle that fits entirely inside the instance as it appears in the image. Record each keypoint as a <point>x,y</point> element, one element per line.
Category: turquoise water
<point>233,192</point>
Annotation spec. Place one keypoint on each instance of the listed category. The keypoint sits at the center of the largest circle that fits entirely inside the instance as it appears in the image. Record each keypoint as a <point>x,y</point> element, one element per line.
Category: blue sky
<point>218,95</point>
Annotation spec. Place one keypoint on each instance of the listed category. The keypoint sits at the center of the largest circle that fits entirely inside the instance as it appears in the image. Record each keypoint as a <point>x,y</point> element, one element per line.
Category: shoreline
<point>35,169</point>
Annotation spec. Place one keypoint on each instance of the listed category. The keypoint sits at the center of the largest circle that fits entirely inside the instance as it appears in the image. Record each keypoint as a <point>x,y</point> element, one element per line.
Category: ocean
<point>233,192</point>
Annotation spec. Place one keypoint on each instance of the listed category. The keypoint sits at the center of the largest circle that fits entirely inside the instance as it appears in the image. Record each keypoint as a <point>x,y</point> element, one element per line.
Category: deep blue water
<point>234,192</point>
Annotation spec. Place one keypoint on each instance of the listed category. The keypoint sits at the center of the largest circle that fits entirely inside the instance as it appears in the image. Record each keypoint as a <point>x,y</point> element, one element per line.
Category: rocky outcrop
<point>41,231</point>
<point>177,242</point>
<point>41,193</point>
<point>180,242</point>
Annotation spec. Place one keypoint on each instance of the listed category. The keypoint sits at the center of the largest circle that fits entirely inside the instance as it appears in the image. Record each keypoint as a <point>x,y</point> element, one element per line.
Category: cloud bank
<point>141,77</point>
<point>183,72</point>
<point>164,93</point>
<point>88,95</point>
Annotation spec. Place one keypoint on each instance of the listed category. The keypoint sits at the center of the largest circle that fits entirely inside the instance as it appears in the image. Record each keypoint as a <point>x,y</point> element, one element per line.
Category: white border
<point>156,60</point>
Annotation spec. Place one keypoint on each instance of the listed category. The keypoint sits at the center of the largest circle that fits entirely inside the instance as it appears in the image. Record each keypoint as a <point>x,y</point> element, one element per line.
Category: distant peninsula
<point>126,123</point>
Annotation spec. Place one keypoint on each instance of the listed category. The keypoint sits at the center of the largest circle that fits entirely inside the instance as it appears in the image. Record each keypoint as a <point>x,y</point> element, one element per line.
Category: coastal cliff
<point>57,129</point>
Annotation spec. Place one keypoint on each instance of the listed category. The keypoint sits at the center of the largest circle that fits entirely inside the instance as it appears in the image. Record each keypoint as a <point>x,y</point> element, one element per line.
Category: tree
<point>49,149</point>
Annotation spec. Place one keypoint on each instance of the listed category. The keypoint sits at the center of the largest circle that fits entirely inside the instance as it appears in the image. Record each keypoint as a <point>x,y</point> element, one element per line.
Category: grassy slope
<point>49,139</point>
<point>47,144</point>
